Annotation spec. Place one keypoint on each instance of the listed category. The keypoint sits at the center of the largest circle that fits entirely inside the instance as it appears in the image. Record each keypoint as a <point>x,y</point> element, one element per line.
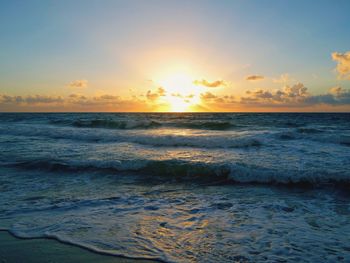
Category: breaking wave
<point>178,170</point>
<point>151,139</point>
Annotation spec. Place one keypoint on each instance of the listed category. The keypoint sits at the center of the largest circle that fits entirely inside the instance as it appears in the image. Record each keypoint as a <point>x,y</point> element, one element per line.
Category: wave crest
<point>177,170</point>
<point>116,124</point>
<point>146,124</point>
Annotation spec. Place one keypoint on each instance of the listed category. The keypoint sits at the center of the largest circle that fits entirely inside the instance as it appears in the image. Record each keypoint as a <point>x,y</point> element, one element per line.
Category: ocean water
<point>181,187</point>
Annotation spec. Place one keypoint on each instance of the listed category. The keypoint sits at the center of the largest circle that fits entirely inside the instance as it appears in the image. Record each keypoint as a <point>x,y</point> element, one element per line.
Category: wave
<point>299,133</point>
<point>207,142</point>
<point>146,124</point>
<point>314,135</point>
<point>178,138</point>
<point>344,140</point>
<point>109,124</point>
<point>239,140</point>
<point>309,130</point>
<point>208,125</point>
<point>178,170</point>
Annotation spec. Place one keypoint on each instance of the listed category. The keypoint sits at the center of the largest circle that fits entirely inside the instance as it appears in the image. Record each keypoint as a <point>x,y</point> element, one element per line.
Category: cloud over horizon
<point>33,100</point>
<point>292,97</point>
<point>72,102</point>
<point>288,97</point>
<point>343,66</point>
<point>296,96</point>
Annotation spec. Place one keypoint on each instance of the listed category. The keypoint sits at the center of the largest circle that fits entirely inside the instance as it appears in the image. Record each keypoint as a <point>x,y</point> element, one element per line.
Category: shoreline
<point>15,249</point>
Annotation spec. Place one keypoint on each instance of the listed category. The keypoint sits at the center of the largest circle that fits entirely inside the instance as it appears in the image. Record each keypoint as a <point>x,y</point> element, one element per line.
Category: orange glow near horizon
<point>181,94</point>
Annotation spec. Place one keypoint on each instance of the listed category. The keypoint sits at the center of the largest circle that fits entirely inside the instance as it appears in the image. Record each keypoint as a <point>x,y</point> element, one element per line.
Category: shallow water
<point>181,187</point>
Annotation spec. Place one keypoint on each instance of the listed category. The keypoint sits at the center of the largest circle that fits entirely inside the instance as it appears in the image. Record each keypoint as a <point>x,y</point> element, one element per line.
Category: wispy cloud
<point>283,79</point>
<point>205,83</point>
<point>343,66</point>
<point>81,83</point>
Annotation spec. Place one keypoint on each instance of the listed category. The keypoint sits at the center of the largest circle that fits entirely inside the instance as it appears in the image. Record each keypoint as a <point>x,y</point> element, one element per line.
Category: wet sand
<point>17,250</point>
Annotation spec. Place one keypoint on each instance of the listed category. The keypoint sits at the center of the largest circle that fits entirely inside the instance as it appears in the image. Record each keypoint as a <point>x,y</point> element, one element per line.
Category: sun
<point>178,104</point>
<point>181,93</point>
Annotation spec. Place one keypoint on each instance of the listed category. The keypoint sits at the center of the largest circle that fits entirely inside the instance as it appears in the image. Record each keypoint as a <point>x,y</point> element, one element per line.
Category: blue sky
<point>118,46</point>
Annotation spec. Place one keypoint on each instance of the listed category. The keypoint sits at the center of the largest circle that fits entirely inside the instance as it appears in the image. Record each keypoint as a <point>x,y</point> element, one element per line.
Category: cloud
<point>343,66</point>
<point>283,79</point>
<point>34,100</point>
<point>337,91</point>
<point>288,95</point>
<point>178,95</point>
<point>82,83</point>
<point>254,77</point>
<point>292,98</point>
<point>108,97</point>
<point>38,99</point>
<point>152,96</point>
<point>74,96</point>
<point>73,102</point>
<point>205,83</point>
<point>296,96</point>
<point>207,96</point>
<point>335,96</point>
<point>161,91</point>
<point>155,95</point>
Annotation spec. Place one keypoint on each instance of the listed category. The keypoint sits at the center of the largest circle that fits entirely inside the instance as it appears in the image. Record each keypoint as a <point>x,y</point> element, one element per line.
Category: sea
<point>181,187</point>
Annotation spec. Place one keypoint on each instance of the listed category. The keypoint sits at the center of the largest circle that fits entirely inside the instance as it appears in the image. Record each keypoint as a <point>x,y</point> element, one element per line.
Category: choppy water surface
<point>181,187</point>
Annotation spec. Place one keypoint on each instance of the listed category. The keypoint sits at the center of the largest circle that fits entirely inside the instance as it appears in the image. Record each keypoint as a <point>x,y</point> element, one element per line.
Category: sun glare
<point>181,93</point>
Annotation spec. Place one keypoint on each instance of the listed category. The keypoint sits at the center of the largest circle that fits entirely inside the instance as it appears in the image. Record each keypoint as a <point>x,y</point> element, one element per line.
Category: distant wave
<point>238,139</point>
<point>146,124</point>
<point>152,139</point>
<point>309,130</point>
<point>208,125</point>
<point>196,141</point>
<point>314,135</point>
<point>192,171</point>
<point>109,124</point>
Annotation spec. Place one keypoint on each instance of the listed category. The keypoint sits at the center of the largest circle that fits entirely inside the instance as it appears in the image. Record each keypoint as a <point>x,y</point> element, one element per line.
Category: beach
<point>43,250</point>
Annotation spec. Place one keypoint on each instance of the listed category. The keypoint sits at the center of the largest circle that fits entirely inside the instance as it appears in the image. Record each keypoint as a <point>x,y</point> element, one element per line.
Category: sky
<point>162,55</point>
